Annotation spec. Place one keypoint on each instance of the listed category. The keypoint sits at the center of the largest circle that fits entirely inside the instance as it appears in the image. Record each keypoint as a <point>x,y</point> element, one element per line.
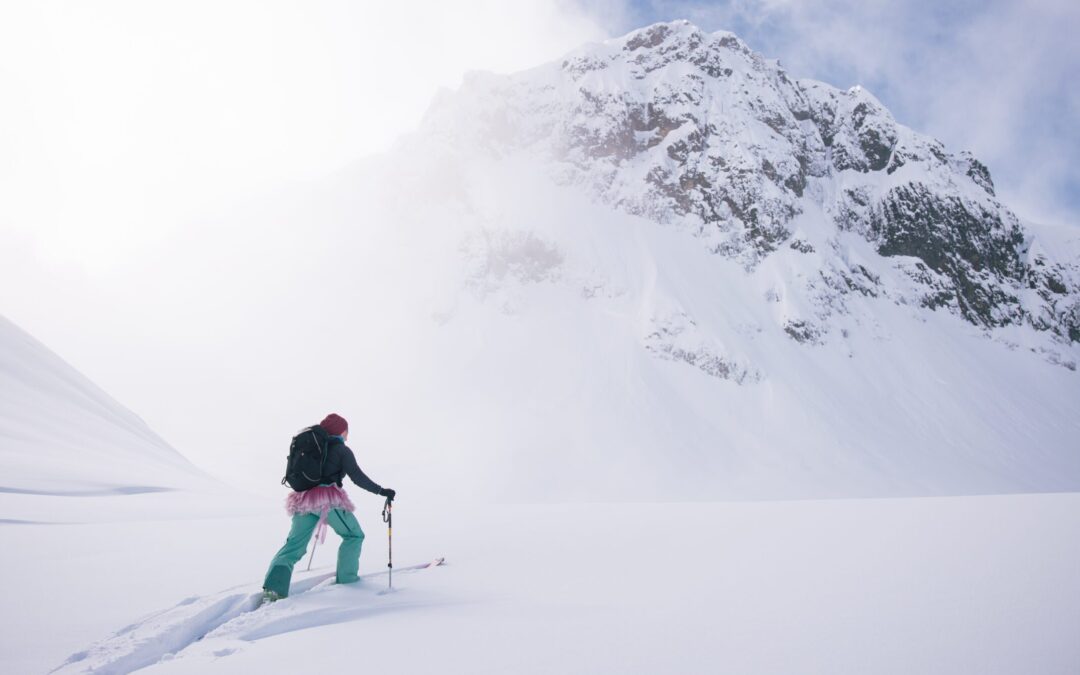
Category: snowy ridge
<point>61,435</point>
<point>697,131</point>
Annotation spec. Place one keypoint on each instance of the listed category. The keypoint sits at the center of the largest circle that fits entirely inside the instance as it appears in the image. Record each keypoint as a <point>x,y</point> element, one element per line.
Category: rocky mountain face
<point>697,131</point>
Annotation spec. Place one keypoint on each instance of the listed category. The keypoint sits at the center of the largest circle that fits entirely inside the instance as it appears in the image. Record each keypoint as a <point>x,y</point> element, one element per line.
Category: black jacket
<point>341,462</point>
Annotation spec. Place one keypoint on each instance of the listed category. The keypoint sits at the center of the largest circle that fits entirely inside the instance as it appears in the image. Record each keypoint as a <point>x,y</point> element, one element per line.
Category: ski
<point>303,584</point>
<point>437,562</point>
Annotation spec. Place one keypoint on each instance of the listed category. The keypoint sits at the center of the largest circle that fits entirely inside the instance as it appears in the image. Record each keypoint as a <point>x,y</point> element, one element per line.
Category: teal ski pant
<point>303,525</point>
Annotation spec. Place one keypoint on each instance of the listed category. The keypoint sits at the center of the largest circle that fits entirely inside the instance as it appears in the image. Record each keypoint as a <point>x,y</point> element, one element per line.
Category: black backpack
<point>307,455</point>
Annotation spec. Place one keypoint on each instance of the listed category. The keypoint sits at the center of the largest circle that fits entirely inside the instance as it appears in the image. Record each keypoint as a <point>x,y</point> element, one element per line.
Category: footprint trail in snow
<point>220,624</point>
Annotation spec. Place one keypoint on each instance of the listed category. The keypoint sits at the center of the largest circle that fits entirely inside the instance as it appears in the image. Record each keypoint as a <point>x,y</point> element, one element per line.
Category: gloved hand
<point>388,493</point>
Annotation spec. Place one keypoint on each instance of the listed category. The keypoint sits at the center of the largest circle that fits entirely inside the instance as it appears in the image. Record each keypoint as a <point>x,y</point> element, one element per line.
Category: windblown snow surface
<point>642,445</point>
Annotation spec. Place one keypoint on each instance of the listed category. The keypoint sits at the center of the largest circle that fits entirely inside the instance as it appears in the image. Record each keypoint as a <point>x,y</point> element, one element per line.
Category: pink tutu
<point>319,501</point>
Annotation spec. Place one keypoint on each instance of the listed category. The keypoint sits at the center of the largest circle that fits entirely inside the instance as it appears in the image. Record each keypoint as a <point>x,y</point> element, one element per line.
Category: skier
<point>313,509</point>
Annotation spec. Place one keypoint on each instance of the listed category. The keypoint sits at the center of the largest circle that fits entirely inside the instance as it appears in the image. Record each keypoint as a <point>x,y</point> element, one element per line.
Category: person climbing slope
<point>318,502</point>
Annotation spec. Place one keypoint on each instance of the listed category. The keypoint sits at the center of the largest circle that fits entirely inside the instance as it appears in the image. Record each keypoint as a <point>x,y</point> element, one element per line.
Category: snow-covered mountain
<point>61,435</point>
<point>698,131</point>
<point>662,268</point>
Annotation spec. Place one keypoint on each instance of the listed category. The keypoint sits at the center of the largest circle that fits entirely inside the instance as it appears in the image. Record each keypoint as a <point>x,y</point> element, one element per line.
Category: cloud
<point>124,119</point>
<point>997,78</point>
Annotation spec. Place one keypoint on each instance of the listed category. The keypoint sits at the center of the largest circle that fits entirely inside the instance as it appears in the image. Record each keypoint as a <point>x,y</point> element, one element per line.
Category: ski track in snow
<point>228,615</point>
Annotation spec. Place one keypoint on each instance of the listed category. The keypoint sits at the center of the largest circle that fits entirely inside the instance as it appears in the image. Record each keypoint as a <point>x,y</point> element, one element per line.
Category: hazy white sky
<point>125,119</point>
<point>132,133</point>
<point>129,130</point>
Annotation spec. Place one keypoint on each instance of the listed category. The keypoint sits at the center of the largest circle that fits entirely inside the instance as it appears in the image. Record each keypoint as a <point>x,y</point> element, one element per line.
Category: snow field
<point>930,585</point>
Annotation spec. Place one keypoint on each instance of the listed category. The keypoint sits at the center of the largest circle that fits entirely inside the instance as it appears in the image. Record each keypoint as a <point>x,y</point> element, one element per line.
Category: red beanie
<point>334,424</point>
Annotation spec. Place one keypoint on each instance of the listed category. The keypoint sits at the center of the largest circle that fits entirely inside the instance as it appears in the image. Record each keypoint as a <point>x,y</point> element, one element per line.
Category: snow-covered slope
<point>85,492</point>
<point>61,435</point>
<point>697,131</point>
<point>533,343</point>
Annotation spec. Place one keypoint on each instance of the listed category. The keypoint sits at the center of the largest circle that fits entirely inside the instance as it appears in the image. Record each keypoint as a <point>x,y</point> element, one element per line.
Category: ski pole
<point>388,519</point>
<point>319,533</point>
<point>314,545</point>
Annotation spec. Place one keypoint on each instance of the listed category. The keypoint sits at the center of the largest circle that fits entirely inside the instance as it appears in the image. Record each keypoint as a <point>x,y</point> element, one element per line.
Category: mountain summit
<point>697,131</point>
